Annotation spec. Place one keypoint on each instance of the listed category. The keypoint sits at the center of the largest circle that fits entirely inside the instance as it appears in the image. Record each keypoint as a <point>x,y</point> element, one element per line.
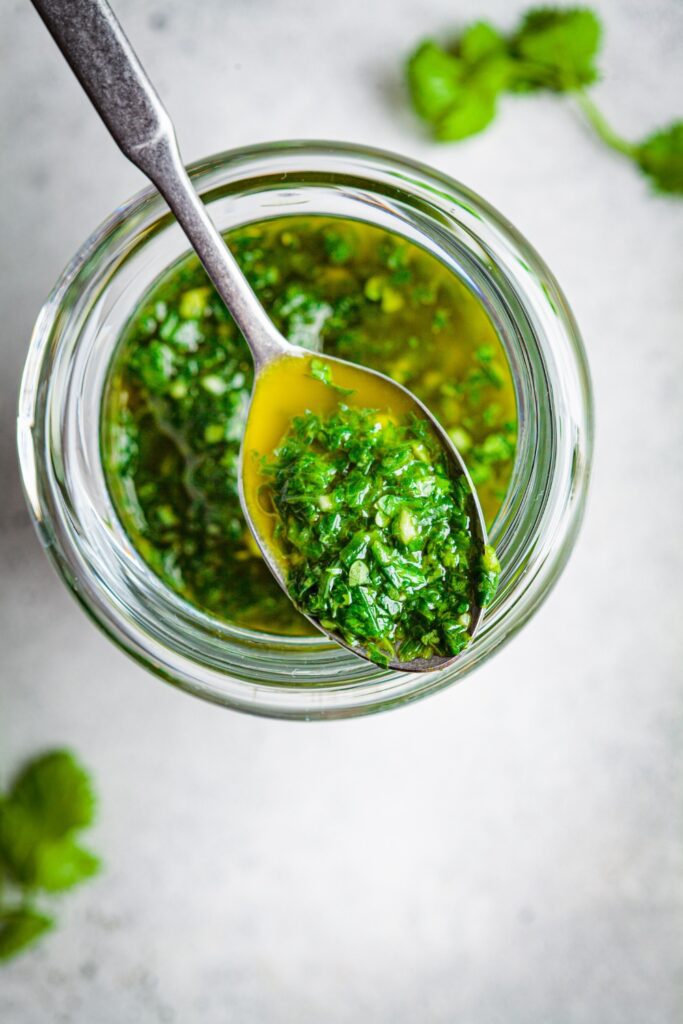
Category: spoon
<point>93,43</point>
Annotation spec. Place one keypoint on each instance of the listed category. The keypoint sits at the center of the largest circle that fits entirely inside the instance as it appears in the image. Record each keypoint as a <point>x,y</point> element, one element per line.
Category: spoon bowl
<point>284,389</point>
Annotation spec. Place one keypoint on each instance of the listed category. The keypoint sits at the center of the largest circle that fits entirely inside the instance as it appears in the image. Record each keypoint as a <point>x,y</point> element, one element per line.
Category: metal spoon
<point>93,43</point>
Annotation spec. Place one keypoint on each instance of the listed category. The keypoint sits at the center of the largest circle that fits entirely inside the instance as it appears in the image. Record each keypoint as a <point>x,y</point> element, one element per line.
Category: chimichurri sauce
<point>180,380</point>
<point>375,531</point>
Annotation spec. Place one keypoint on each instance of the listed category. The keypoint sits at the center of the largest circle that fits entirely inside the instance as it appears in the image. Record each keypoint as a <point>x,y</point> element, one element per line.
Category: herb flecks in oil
<point>378,534</point>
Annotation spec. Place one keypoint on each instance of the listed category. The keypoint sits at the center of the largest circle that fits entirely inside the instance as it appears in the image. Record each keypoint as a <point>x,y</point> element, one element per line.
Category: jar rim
<point>485,249</point>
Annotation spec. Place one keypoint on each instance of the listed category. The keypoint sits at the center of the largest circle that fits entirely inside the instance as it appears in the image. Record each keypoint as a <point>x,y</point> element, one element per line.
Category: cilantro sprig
<point>457,89</point>
<point>47,805</point>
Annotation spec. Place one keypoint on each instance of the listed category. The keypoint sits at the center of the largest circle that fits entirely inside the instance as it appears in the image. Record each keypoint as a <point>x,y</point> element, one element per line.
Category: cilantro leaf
<point>56,791</point>
<point>472,114</point>
<point>35,862</point>
<point>62,864</point>
<point>481,40</point>
<point>458,94</point>
<point>434,80</point>
<point>19,928</point>
<point>558,48</point>
<point>51,799</point>
<point>661,157</point>
<point>20,836</point>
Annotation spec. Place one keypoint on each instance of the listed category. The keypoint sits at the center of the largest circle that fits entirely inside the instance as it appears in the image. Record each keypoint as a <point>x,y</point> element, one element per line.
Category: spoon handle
<point>93,43</point>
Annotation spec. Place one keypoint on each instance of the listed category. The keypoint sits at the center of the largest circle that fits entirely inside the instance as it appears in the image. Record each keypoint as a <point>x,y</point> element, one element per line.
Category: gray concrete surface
<point>510,850</point>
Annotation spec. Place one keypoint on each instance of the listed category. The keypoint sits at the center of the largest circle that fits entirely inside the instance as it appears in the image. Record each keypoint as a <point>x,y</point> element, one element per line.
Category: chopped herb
<point>322,371</point>
<point>338,248</point>
<point>456,89</point>
<point>396,567</point>
<point>193,303</point>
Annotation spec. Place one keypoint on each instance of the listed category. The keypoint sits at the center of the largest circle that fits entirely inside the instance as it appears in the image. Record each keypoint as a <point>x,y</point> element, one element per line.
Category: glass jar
<point>71,348</point>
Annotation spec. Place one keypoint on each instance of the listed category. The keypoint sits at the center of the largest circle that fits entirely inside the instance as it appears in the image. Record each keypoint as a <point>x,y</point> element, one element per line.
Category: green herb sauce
<point>180,380</point>
<point>377,533</point>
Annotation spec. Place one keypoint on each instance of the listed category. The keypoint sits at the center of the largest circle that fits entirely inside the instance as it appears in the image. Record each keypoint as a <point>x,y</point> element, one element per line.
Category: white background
<point>510,850</point>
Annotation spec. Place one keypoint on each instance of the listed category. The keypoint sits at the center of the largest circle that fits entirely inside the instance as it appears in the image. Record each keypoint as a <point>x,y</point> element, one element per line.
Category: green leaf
<point>20,836</point>
<point>57,793</point>
<point>661,157</point>
<point>490,76</point>
<point>558,48</point>
<point>19,928</point>
<point>35,862</point>
<point>50,799</point>
<point>481,40</point>
<point>434,80</point>
<point>472,114</point>
<point>62,864</point>
<point>458,94</point>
